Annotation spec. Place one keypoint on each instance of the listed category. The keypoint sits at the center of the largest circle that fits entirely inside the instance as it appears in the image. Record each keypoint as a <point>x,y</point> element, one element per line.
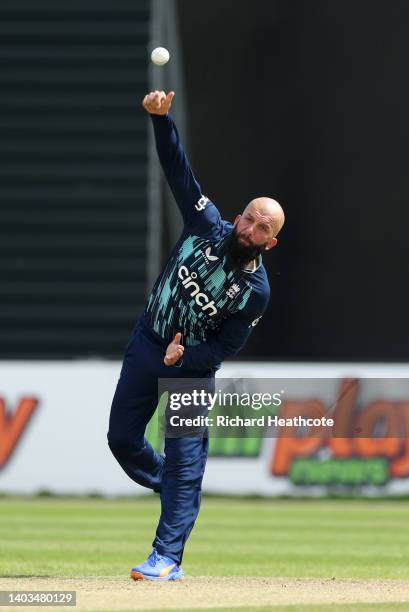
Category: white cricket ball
<point>160,56</point>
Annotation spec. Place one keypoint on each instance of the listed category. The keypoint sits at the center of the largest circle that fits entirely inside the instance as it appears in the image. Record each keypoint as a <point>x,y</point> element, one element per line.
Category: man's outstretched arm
<point>185,188</point>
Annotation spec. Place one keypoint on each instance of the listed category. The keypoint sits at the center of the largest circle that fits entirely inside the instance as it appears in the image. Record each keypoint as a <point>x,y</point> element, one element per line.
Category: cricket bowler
<point>202,309</point>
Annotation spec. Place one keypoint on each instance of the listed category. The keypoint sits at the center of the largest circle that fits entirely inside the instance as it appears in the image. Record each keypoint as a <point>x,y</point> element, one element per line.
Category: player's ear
<point>273,242</point>
<point>236,220</point>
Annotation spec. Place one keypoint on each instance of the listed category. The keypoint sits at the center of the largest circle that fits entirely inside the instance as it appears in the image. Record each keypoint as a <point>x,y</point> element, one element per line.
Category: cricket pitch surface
<point>203,592</point>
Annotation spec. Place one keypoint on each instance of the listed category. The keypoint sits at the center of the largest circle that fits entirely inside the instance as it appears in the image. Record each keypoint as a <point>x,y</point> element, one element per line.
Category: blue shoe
<point>157,567</point>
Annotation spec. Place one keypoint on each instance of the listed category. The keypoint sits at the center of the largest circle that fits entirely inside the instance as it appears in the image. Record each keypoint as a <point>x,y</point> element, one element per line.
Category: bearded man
<point>202,309</point>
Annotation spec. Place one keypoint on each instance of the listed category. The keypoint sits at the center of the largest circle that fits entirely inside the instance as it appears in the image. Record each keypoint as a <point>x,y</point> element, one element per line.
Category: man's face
<point>254,232</point>
<point>240,250</point>
<point>255,229</point>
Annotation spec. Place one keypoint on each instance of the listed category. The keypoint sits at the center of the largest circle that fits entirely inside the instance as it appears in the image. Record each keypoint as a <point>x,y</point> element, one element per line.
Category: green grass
<point>309,538</point>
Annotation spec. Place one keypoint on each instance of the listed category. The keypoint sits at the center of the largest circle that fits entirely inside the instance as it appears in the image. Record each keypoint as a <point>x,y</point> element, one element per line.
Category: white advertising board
<point>54,421</point>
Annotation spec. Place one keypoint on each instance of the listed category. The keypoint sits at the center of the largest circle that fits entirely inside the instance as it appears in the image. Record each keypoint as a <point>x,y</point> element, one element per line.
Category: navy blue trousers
<point>177,475</point>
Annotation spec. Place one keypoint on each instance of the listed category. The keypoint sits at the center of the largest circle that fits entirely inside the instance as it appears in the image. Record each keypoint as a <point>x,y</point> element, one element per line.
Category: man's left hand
<point>174,351</point>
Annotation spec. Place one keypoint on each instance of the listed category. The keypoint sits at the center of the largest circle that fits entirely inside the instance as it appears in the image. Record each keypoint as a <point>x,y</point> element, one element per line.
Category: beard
<point>239,254</point>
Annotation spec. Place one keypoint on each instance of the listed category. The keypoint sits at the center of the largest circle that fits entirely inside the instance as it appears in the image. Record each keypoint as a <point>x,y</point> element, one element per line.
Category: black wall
<point>73,175</point>
<point>307,101</point>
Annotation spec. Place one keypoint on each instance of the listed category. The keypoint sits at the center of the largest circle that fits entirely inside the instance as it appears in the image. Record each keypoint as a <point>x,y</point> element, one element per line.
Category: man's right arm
<point>182,182</point>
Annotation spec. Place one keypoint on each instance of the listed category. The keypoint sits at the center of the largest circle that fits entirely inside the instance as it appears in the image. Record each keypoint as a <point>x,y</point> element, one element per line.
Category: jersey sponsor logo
<point>254,323</point>
<point>201,299</point>
<point>233,291</point>
<point>207,255</point>
<point>201,203</point>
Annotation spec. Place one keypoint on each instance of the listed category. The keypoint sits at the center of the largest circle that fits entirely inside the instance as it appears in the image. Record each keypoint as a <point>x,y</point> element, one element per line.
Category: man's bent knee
<point>123,443</point>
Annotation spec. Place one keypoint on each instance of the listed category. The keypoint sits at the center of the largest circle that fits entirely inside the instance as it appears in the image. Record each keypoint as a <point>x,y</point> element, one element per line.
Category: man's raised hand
<point>174,351</point>
<point>157,102</point>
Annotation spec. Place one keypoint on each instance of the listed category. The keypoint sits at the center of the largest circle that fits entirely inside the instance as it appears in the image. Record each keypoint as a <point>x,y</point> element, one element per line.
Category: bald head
<point>266,211</point>
<point>254,231</point>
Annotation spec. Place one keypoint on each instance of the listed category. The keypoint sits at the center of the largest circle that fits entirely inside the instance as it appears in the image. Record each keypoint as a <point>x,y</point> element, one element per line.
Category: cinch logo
<point>353,455</point>
<point>201,204</point>
<point>201,298</point>
<point>13,425</point>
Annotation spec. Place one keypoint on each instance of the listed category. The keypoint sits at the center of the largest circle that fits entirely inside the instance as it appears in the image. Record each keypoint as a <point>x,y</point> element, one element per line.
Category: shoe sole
<point>139,576</point>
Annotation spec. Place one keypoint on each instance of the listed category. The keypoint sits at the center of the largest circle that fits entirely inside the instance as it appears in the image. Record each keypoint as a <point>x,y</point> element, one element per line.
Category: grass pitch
<point>262,554</point>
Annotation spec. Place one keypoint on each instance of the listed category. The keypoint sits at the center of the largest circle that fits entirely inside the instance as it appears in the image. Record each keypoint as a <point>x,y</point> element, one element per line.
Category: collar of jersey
<point>258,264</point>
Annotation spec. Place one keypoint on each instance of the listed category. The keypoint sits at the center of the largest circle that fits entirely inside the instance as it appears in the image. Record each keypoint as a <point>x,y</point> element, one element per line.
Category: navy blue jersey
<point>197,294</point>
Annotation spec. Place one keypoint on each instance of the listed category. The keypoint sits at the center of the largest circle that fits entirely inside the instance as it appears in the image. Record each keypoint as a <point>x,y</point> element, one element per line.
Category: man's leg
<point>180,493</point>
<point>133,405</point>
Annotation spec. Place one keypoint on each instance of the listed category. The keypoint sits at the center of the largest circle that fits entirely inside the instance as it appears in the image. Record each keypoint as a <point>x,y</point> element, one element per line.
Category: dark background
<point>303,100</point>
<point>307,101</point>
<point>73,176</point>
